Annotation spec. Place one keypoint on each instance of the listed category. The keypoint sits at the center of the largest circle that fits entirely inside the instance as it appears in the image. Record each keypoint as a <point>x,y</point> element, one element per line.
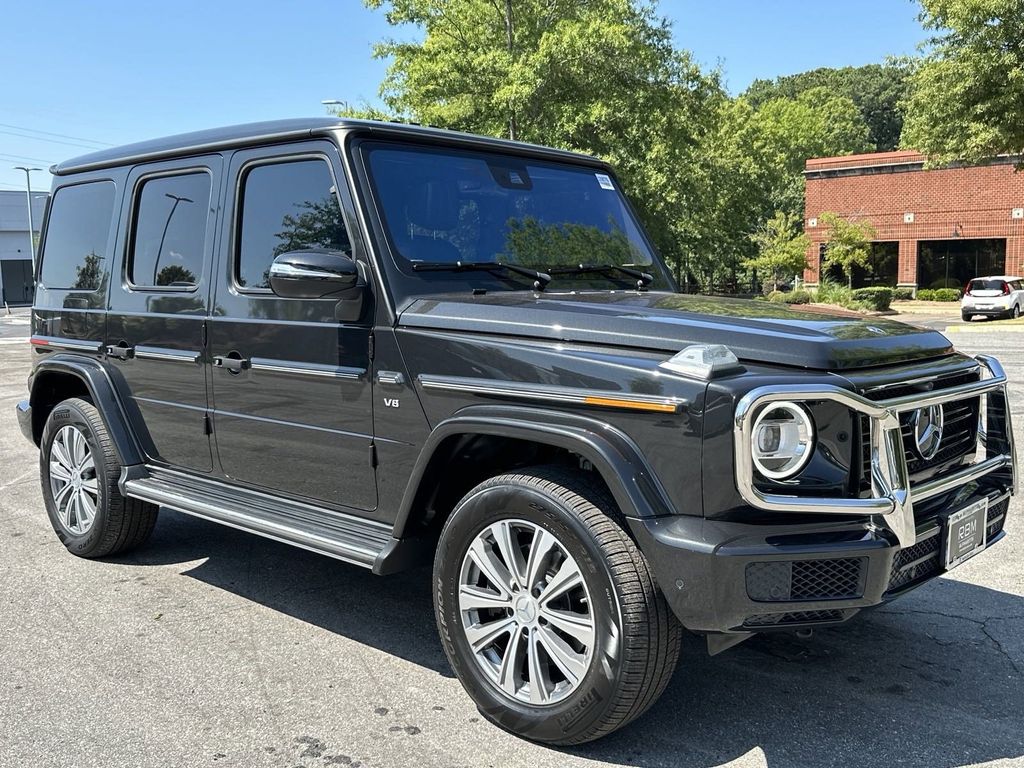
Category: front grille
<point>959,430</point>
<point>797,617</point>
<point>923,560</point>
<point>793,580</point>
<point>959,435</point>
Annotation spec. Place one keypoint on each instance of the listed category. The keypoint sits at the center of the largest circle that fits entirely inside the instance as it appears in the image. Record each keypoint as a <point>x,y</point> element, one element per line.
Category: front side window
<point>169,236</point>
<point>76,254</point>
<point>446,206</point>
<point>286,206</point>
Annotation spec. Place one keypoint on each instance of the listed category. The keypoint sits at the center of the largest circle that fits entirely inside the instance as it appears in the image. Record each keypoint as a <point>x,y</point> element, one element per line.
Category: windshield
<point>442,206</point>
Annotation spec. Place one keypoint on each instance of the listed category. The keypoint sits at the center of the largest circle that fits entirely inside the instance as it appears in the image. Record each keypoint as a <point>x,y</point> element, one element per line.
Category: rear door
<point>292,395</point>
<point>159,303</point>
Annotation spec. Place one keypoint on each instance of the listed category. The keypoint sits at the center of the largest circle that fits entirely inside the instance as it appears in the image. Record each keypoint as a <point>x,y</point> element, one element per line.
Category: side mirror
<point>313,274</point>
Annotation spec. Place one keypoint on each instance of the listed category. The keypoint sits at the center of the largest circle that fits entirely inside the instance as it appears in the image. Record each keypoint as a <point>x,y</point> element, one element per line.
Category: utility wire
<point>57,135</point>
<point>50,141</point>
<point>29,159</point>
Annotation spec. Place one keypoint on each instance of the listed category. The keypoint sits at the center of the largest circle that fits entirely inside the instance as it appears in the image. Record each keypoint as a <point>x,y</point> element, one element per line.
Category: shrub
<point>938,294</point>
<point>798,297</point>
<point>878,298</point>
<point>833,293</point>
<point>777,297</point>
<point>903,294</point>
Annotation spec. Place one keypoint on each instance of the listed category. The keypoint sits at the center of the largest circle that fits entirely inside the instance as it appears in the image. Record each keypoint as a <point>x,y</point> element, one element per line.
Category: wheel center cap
<point>526,609</point>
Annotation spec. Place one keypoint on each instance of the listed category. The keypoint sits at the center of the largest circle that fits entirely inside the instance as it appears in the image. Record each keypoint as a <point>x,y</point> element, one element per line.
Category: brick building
<point>935,228</point>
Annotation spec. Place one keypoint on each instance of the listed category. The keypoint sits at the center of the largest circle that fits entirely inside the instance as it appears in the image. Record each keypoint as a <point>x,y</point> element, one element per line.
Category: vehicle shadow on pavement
<point>935,679</point>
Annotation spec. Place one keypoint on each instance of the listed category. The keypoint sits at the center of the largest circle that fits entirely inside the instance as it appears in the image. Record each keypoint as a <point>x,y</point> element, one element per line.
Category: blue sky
<point>79,75</point>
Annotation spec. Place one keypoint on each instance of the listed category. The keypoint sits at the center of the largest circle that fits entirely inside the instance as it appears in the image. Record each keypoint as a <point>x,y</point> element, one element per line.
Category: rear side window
<point>77,248</point>
<point>169,236</point>
<point>287,206</point>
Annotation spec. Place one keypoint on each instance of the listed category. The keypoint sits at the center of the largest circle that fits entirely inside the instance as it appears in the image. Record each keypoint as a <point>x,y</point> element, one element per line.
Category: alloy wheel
<point>526,612</point>
<point>73,480</point>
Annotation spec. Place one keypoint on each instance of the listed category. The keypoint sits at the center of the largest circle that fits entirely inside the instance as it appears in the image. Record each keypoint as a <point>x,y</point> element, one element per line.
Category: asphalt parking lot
<point>211,647</point>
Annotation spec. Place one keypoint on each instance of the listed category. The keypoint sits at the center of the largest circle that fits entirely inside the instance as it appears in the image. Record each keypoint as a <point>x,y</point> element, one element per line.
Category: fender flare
<point>614,455</point>
<point>104,397</point>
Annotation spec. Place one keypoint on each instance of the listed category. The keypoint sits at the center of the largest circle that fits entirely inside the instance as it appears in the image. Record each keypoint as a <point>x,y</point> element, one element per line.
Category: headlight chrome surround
<point>790,440</point>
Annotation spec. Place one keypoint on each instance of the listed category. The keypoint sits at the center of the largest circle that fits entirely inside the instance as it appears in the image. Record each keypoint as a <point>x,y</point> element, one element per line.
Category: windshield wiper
<point>540,279</point>
<point>643,278</point>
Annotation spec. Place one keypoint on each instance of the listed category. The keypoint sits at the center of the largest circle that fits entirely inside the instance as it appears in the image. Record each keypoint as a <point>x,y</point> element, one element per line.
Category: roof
<point>883,162</point>
<point>272,131</point>
<point>1004,278</point>
<point>899,157</point>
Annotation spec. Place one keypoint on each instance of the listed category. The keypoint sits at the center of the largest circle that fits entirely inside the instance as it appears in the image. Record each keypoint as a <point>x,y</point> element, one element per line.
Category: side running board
<point>338,535</point>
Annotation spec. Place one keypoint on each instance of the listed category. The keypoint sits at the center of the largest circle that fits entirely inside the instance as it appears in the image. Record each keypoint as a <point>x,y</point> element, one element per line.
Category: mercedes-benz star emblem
<point>927,424</point>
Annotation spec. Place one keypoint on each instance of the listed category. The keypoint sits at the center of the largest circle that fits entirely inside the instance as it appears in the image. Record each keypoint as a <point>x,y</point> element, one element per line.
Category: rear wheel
<point>547,610</point>
<point>79,470</point>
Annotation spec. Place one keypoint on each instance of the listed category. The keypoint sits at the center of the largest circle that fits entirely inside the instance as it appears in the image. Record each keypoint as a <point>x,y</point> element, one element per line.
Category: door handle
<point>232,364</point>
<point>121,351</point>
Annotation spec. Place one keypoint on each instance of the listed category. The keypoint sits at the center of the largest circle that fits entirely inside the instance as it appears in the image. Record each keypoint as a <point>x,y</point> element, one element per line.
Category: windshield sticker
<point>604,181</point>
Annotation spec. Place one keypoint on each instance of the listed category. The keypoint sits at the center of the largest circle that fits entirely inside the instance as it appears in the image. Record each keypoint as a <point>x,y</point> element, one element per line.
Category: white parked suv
<point>998,296</point>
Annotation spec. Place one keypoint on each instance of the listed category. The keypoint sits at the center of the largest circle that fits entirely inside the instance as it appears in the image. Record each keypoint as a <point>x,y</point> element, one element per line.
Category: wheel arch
<point>612,455</point>
<point>64,376</point>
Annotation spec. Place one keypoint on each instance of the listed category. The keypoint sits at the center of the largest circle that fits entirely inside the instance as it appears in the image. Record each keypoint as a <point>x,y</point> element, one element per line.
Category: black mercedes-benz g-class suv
<point>393,344</point>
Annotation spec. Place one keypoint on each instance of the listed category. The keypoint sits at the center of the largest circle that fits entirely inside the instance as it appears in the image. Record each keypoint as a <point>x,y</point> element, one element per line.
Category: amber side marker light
<point>614,402</point>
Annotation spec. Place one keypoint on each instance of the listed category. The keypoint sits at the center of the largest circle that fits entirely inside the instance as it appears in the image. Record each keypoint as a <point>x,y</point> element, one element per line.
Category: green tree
<point>597,76</point>
<point>781,247</point>
<point>967,99</point>
<point>875,89</point>
<point>89,276</point>
<point>848,244</point>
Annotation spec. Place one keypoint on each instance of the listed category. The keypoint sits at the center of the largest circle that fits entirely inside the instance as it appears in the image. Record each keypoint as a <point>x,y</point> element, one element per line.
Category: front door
<point>292,404</point>
<point>159,304</point>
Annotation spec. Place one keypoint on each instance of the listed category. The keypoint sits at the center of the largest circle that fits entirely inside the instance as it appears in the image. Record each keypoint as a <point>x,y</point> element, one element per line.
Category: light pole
<point>177,199</point>
<point>28,198</point>
<point>334,103</point>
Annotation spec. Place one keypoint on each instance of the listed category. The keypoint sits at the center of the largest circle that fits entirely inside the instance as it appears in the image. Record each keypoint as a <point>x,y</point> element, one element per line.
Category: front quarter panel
<point>669,443</point>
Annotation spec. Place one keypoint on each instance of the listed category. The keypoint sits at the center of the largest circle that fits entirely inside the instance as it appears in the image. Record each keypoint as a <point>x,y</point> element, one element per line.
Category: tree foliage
<point>848,244</point>
<point>876,90</point>
<point>597,76</point>
<point>704,170</point>
<point>967,100</point>
<point>781,248</point>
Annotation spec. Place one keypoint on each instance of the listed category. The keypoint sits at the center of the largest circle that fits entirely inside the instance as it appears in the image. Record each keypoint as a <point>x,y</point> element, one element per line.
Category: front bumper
<point>24,411</point>
<point>801,560</point>
<point>729,577</point>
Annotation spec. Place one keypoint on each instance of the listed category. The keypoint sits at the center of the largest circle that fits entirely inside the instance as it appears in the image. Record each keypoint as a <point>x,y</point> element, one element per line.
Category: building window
<point>953,262</point>
<point>286,206</point>
<point>77,248</point>
<point>169,236</point>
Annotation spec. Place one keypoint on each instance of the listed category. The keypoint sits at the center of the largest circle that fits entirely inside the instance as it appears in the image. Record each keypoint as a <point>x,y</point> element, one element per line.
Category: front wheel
<point>547,610</point>
<point>966,317</point>
<point>1015,313</point>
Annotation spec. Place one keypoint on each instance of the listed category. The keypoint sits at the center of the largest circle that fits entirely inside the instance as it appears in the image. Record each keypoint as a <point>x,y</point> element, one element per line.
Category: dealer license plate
<point>966,533</point>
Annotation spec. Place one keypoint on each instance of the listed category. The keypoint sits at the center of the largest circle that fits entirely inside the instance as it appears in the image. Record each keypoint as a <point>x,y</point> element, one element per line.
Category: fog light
<point>783,440</point>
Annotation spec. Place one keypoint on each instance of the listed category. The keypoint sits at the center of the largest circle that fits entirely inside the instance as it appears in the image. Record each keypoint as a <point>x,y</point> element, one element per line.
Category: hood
<point>756,331</point>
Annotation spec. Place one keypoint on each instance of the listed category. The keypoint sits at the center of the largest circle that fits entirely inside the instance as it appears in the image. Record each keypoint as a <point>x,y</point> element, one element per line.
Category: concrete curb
<point>987,328</point>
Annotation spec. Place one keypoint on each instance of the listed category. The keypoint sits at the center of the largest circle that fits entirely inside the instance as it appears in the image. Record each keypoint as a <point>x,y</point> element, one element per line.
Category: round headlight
<point>783,440</point>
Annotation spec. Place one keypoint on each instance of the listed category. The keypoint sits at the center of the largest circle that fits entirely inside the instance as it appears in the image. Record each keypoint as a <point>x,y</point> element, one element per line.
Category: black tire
<point>966,317</point>
<point>637,637</point>
<point>120,523</point>
<point>1015,312</point>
